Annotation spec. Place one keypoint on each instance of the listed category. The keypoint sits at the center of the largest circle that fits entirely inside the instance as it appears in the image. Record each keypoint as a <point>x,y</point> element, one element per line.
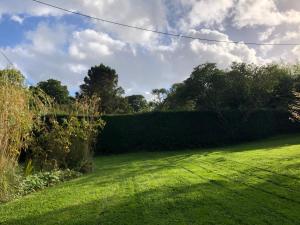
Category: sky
<point>46,43</point>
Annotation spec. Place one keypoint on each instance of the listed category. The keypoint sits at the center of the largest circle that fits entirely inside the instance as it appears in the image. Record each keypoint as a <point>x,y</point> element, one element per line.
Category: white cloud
<point>42,56</point>
<point>145,60</point>
<point>262,12</point>
<point>207,12</point>
<point>78,68</point>
<point>140,13</point>
<point>48,39</point>
<point>263,36</point>
<point>222,53</point>
<point>89,41</point>
<point>15,7</point>
<point>296,51</point>
<point>17,19</point>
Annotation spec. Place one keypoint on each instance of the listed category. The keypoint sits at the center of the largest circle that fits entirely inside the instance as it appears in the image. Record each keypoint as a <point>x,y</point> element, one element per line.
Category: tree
<point>244,86</point>
<point>159,99</point>
<point>206,86</point>
<point>138,103</point>
<point>176,99</point>
<point>102,81</point>
<point>160,94</point>
<point>56,90</point>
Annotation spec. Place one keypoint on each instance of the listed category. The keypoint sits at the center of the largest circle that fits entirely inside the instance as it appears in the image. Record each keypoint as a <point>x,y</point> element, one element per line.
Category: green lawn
<point>256,183</point>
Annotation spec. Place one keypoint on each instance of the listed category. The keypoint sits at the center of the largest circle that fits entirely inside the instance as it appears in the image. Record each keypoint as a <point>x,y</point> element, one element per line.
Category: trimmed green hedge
<point>159,131</point>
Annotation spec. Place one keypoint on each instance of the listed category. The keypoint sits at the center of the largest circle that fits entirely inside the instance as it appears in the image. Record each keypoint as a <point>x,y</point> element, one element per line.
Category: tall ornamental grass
<point>18,113</point>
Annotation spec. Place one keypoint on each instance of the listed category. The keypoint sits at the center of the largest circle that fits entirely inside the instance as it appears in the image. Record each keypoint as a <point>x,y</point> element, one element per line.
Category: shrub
<point>68,142</point>
<point>41,180</point>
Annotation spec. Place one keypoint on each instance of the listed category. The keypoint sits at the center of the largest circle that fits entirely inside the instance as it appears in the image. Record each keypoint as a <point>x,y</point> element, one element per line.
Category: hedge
<point>160,131</point>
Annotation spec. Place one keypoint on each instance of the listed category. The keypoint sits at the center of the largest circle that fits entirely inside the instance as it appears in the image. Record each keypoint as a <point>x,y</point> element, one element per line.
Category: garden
<point>196,154</point>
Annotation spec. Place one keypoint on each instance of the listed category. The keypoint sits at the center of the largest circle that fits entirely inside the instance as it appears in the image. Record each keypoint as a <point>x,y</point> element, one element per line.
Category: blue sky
<point>46,43</point>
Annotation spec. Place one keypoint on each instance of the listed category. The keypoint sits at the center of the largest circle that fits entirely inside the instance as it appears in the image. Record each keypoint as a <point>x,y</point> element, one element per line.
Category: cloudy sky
<point>47,43</point>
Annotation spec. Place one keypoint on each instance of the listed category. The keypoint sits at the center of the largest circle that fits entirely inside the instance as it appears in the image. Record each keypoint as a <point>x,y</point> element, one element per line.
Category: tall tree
<point>56,90</point>
<point>102,81</point>
<point>159,95</point>
<point>244,87</point>
<point>138,103</point>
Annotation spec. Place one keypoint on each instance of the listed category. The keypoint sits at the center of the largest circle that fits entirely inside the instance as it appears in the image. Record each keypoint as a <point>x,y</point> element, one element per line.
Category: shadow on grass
<point>267,144</point>
<point>209,202</point>
<point>193,200</point>
<point>264,144</point>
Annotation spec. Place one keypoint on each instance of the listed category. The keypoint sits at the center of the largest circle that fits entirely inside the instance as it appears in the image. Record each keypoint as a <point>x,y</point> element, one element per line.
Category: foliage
<point>9,179</point>
<point>254,183</point>
<point>159,97</point>
<point>181,130</point>
<point>53,88</point>
<point>28,169</point>
<point>20,110</point>
<point>138,103</point>
<point>242,87</point>
<point>102,81</point>
<point>68,143</point>
<point>41,180</point>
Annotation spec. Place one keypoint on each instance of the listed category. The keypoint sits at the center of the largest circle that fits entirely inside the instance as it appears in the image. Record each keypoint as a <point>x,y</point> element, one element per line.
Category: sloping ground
<point>257,183</point>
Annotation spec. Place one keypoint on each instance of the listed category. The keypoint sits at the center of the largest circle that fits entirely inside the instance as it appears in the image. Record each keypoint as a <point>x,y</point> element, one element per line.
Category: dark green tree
<point>138,103</point>
<point>102,81</point>
<point>158,102</point>
<point>56,90</point>
<point>242,87</point>
<point>177,99</point>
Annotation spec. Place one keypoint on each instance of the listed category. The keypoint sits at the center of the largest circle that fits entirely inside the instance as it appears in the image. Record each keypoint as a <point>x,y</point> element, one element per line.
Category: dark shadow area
<point>265,144</point>
<point>210,202</point>
<point>162,131</point>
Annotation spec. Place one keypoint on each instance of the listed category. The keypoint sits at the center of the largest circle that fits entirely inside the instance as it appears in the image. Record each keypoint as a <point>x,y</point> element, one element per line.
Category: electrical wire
<point>160,32</point>
<point>6,58</point>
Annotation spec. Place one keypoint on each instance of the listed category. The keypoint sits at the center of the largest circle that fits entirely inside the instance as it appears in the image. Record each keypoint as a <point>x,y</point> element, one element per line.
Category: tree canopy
<point>242,87</point>
<point>138,103</point>
<point>56,90</point>
<point>102,81</point>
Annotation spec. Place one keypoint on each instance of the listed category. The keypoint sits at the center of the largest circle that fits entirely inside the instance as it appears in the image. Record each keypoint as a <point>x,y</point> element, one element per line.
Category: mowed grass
<point>255,183</point>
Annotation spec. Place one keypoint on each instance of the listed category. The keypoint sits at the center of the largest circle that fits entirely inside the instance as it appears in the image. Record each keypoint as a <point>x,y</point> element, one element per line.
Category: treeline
<point>100,81</point>
<point>211,107</point>
<point>241,87</point>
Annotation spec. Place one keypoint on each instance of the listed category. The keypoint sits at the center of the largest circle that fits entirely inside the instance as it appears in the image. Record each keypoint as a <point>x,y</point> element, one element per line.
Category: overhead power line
<point>13,66</point>
<point>160,32</point>
<point>6,58</point>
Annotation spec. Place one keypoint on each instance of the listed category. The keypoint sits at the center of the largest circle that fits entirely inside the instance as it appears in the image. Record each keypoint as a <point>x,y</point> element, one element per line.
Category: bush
<point>67,142</point>
<point>41,180</point>
<point>161,131</point>
<point>65,145</point>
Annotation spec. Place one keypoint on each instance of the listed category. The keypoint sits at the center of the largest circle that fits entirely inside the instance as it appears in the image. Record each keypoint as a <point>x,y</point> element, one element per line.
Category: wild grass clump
<point>16,121</point>
<point>19,112</point>
<point>54,145</point>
